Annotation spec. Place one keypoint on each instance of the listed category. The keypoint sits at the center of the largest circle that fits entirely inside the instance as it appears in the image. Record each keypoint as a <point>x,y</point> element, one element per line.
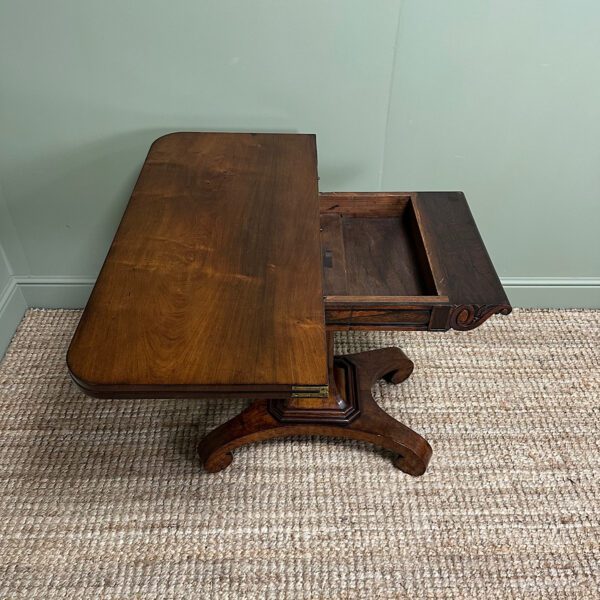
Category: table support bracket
<point>349,412</point>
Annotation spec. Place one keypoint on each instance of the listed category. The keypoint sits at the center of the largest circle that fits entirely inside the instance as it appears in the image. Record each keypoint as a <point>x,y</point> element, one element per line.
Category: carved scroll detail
<point>469,316</point>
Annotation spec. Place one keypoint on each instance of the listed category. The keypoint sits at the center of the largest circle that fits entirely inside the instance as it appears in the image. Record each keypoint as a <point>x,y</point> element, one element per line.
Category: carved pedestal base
<point>349,412</point>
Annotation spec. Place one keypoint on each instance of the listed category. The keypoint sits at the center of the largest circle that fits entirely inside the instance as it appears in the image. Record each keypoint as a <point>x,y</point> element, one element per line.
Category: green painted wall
<point>500,99</point>
<point>88,86</point>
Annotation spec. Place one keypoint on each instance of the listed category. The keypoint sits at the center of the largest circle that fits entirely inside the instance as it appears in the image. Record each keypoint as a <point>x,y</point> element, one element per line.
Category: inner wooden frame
<point>376,273</point>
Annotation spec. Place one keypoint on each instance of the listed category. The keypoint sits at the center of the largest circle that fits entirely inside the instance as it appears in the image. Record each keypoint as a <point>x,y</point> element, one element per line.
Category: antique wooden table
<point>229,273</point>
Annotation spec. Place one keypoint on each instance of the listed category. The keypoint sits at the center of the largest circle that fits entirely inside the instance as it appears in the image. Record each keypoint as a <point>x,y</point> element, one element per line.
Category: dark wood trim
<point>364,204</point>
<point>461,266</point>
<point>468,316</point>
<point>387,301</point>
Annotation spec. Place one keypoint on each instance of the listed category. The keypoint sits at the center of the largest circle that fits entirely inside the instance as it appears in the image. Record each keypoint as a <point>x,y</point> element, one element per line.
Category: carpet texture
<point>105,499</point>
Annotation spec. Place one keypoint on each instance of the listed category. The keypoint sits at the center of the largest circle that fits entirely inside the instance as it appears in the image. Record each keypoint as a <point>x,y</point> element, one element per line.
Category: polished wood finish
<point>370,253</point>
<point>412,261</point>
<point>359,372</point>
<point>229,274</point>
<point>459,261</point>
<point>212,285</point>
<point>337,407</point>
<point>364,204</point>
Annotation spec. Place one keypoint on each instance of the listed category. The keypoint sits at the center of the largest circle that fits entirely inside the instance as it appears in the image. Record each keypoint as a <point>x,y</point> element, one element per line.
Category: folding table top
<point>212,284</point>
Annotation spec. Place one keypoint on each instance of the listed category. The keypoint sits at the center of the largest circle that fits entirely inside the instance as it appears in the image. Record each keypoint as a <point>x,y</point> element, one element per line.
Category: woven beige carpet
<point>105,499</point>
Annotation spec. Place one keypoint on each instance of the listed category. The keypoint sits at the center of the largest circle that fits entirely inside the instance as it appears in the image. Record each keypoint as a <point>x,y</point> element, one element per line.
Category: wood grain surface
<point>212,284</point>
<point>370,423</point>
<point>405,260</point>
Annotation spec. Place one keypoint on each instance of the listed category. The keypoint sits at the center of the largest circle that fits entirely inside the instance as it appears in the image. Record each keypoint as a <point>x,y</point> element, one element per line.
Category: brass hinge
<point>310,391</point>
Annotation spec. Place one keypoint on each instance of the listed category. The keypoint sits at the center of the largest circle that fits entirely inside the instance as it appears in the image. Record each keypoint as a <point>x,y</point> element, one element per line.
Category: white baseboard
<point>543,292</point>
<point>550,281</point>
<point>526,292</point>
<point>56,292</point>
<point>553,292</point>
<point>12,309</point>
